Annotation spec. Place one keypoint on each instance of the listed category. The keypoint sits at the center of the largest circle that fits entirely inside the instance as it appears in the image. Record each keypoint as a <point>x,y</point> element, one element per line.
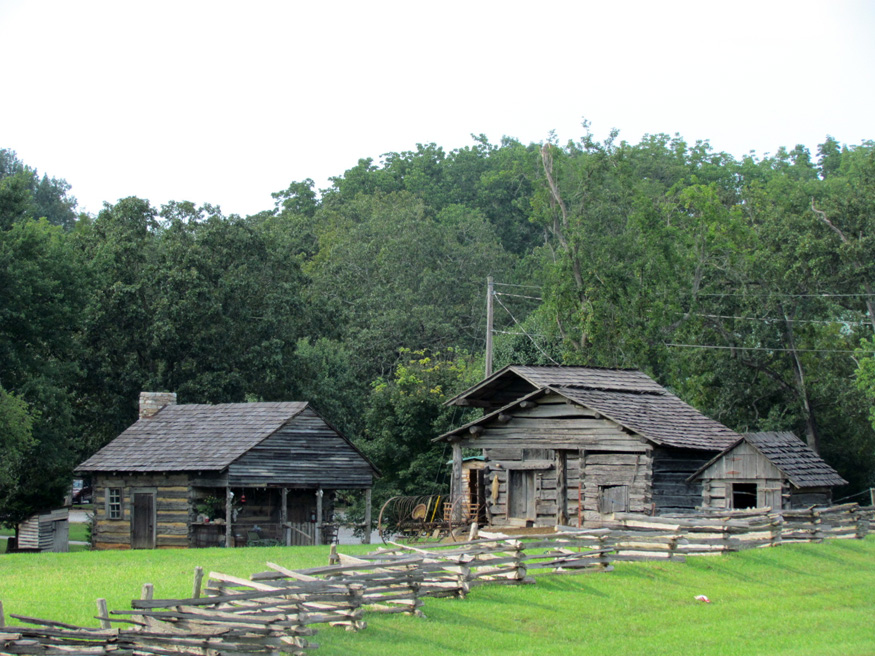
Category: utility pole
<point>490,294</point>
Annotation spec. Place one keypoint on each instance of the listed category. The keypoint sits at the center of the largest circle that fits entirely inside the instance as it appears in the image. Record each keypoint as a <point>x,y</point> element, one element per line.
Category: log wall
<point>172,510</point>
<point>536,438</point>
<point>671,469</point>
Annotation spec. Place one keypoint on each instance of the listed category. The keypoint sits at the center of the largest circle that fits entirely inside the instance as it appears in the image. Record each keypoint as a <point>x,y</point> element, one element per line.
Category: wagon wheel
<point>383,520</point>
<point>457,509</point>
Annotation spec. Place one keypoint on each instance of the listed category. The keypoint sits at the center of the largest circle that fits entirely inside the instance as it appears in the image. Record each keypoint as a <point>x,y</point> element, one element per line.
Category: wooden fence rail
<point>275,611</point>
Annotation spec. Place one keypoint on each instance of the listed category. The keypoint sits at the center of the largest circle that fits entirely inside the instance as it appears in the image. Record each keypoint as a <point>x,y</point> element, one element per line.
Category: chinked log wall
<point>172,510</point>
<point>530,439</point>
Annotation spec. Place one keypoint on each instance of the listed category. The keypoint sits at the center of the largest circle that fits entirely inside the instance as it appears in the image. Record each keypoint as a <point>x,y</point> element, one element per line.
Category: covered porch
<point>265,516</point>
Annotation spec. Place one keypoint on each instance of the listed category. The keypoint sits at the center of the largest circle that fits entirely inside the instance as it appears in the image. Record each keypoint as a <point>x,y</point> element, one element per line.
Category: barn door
<point>143,521</point>
<point>521,494</point>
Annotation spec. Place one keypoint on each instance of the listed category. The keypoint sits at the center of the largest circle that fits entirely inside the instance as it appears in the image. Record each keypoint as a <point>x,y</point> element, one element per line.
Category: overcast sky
<point>226,102</point>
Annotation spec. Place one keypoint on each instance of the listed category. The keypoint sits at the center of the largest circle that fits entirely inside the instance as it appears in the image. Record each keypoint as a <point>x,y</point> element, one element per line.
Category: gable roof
<point>655,414</point>
<point>539,376</point>
<point>193,437</point>
<point>795,459</point>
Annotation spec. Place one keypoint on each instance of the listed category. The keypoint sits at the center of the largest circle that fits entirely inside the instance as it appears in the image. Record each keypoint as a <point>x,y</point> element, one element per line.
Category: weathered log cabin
<point>767,469</point>
<point>570,445</point>
<point>230,474</point>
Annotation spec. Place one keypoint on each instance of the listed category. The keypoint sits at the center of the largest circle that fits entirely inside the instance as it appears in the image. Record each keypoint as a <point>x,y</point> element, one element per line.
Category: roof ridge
<point>577,366</point>
<point>617,390</point>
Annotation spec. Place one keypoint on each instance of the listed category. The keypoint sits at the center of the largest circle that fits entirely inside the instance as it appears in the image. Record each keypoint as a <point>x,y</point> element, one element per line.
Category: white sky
<point>226,102</point>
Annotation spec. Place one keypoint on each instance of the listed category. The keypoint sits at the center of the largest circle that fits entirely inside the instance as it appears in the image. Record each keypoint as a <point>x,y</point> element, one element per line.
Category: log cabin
<point>231,474</point>
<point>572,445</point>
<point>774,469</point>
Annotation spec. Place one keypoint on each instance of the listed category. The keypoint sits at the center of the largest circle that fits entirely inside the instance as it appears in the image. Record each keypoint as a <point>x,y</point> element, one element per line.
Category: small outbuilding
<point>48,531</point>
<point>221,475</point>
<point>772,469</point>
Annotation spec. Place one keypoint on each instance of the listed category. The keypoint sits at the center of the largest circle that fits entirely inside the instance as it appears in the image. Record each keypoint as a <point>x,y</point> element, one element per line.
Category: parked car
<point>82,494</point>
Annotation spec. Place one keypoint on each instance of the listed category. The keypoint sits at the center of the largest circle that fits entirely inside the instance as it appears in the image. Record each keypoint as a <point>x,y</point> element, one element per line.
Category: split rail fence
<point>277,611</point>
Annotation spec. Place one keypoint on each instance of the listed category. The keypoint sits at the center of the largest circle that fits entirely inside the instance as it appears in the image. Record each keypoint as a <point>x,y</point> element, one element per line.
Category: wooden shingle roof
<point>796,460</point>
<point>540,376</point>
<point>192,437</point>
<point>619,380</point>
<point>660,417</point>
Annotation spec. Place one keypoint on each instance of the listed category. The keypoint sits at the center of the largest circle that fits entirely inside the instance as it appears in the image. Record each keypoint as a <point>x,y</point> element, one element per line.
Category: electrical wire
<point>507,332</point>
<point>510,284</point>
<point>823,295</point>
<point>770,319</point>
<point>535,298</point>
<point>531,339</point>
<point>763,348</point>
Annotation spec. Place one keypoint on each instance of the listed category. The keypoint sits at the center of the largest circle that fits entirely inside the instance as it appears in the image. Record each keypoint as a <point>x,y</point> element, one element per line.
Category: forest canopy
<point>746,286</point>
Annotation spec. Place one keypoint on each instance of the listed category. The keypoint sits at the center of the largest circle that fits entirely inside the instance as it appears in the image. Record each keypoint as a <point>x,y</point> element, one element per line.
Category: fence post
<point>816,521</point>
<point>103,613</point>
<point>777,529</point>
<point>198,581</point>
<point>519,563</point>
<point>2,618</point>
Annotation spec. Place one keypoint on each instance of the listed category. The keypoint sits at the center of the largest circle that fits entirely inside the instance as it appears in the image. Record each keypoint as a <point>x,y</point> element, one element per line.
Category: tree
<point>47,197</point>
<point>16,439</point>
<point>186,300</point>
<point>392,275</point>
<point>404,413</point>
<point>41,297</point>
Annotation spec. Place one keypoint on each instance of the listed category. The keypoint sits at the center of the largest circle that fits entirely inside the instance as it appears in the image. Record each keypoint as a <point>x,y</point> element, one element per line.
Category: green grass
<point>816,599</point>
<point>78,532</point>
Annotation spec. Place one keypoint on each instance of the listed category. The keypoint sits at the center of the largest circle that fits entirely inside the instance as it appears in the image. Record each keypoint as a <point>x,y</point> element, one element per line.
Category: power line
<point>536,298</point>
<point>510,284</point>
<point>507,332</point>
<point>822,295</point>
<point>537,346</point>
<point>762,348</point>
<point>767,319</point>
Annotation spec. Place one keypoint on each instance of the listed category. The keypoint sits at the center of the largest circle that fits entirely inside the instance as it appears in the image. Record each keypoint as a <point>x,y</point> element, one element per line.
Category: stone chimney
<point>152,402</point>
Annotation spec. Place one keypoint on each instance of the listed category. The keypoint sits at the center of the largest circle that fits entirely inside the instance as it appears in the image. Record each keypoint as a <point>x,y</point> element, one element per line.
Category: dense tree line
<point>745,285</point>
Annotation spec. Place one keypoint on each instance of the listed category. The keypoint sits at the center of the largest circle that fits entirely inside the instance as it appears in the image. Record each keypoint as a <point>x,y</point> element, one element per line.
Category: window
<point>744,495</point>
<point>114,503</point>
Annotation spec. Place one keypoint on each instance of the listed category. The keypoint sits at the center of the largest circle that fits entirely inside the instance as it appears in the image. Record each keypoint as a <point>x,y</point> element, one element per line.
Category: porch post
<point>366,539</point>
<point>229,533</point>
<point>317,539</point>
<point>284,516</point>
<point>456,489</point>
<point>561,487</point>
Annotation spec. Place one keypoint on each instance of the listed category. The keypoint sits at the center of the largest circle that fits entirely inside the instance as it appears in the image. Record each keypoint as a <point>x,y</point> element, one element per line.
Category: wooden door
<point>143,521</point>
<point>477,496</point>
<point>521,494</point>
<point>613,498</point>
<point>301,518</point>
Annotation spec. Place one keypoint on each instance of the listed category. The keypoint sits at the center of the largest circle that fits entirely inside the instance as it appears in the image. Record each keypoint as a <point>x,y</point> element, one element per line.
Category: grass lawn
<point>816,599</point>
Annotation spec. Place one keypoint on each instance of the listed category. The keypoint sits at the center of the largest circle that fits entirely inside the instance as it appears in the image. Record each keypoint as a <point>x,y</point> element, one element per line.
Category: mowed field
<point>811,599</point>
